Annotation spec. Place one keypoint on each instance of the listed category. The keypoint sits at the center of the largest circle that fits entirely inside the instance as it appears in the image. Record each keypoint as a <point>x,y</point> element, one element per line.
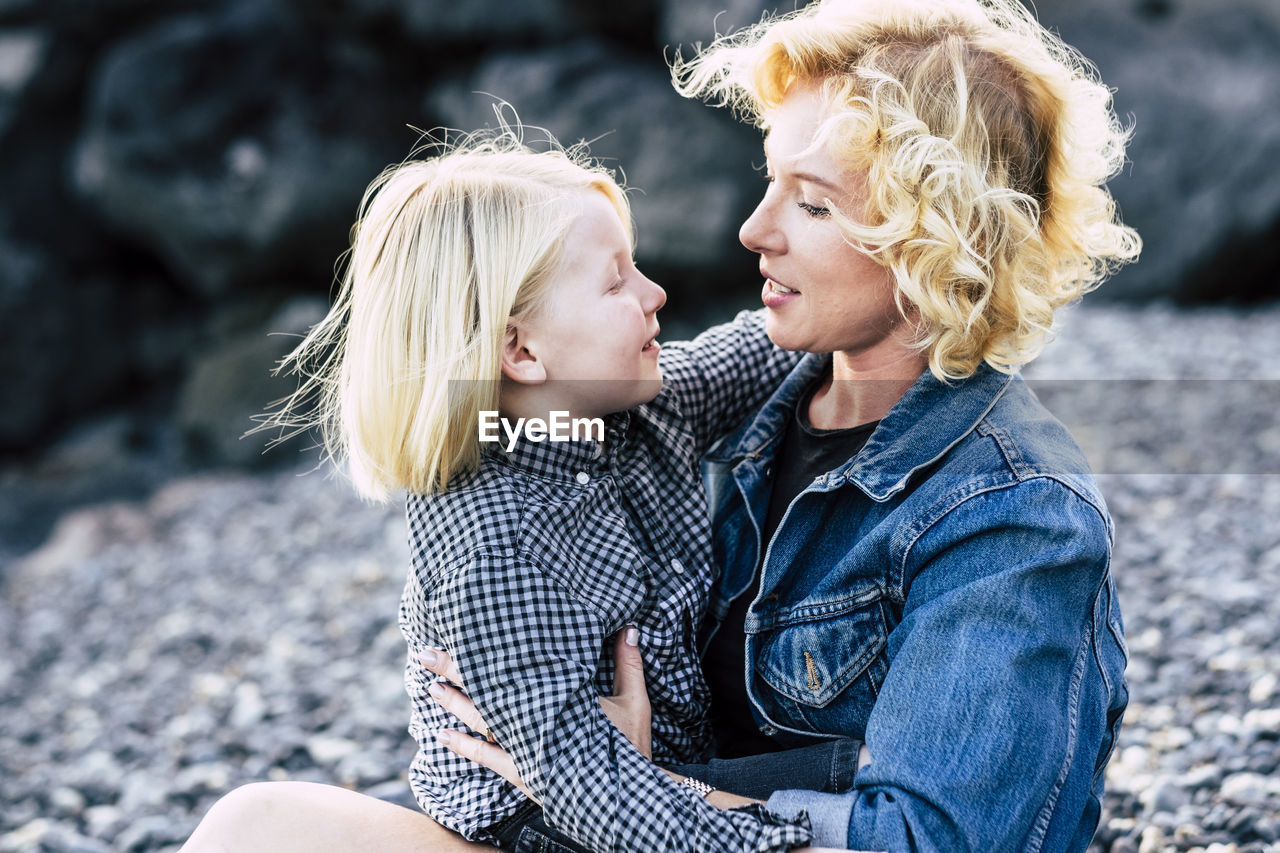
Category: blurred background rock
<point>179,178</point>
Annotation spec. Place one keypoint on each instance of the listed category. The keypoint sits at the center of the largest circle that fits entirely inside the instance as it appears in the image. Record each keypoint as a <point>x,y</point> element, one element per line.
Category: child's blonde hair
<point>446,253</point>
<point>987,143</point>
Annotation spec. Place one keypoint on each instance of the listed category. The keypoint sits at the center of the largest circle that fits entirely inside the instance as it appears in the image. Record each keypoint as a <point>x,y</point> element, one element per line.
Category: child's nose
<point>655,296</point>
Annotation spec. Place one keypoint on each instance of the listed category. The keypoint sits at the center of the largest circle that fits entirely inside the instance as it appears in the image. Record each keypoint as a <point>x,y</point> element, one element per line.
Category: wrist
<point>698,786</point>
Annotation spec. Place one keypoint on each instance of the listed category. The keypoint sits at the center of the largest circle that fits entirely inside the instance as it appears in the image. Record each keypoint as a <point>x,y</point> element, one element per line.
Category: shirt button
<point>598,451</point>
<point>583,477</point>
<point>677,566</point>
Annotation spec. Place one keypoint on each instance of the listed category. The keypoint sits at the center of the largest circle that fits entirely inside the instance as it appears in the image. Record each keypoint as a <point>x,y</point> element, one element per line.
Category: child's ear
<point>519,364</point>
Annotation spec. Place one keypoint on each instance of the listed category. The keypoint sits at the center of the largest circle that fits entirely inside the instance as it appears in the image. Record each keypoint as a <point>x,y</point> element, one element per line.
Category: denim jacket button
<point>768,730</point>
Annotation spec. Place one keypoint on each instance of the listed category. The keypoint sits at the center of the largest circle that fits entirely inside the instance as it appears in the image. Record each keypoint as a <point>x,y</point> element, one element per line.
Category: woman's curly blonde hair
<point>987,144</point>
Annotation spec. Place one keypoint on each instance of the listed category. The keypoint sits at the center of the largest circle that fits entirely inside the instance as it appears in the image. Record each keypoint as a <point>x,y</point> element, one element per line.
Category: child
<point>491,285</point>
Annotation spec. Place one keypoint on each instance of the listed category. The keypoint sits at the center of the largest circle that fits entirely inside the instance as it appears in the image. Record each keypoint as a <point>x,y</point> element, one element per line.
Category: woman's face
<point>822,294</point>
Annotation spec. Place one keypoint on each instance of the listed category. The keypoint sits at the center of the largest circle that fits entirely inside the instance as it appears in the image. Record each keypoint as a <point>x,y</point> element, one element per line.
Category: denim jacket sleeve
<point>1005,683</point>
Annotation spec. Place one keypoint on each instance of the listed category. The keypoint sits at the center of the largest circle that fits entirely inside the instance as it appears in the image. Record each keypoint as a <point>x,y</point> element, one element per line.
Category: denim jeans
<point>825,767</point>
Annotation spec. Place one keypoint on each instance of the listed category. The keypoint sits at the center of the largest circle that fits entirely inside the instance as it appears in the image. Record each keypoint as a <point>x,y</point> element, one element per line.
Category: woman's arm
<point>529,665</point>
<point>628,709</point>
<point>1004,687</point>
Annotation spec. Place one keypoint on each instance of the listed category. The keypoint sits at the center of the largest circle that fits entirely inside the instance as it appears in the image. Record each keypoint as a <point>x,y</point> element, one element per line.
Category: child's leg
<point>305,816</point>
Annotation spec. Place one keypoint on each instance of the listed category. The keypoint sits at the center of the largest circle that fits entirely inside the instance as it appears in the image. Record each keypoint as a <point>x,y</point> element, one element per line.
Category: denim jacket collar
<point>929,419</point>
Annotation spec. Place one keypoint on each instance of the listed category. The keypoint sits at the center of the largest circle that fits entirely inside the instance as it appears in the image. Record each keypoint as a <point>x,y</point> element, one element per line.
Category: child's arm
<point>724,374</point>
<point>455,793</point>
<point>527,651</point>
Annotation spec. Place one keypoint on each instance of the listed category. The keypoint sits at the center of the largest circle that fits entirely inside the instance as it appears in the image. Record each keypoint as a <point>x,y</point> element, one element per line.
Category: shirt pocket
<point>825,673</point>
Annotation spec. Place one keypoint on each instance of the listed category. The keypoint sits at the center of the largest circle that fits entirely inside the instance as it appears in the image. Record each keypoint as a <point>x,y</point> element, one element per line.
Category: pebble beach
<point>235,627</point>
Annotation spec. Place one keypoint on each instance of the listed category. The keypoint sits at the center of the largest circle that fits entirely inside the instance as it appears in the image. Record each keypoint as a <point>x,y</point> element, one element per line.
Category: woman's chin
<point>781,336</point>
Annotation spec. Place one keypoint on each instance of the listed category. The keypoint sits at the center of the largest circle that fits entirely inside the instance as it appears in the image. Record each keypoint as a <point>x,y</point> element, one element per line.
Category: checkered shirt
<point>527,568</point>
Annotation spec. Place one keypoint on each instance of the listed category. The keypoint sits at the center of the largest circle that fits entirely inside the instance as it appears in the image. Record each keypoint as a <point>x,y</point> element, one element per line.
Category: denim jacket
<point>946,596</point>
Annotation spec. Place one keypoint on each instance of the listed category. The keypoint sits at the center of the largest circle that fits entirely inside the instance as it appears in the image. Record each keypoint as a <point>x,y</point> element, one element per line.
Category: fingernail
<point>443,737</point>
<point>429,658</point>
<point>436,689</point>
<point>632,637</point>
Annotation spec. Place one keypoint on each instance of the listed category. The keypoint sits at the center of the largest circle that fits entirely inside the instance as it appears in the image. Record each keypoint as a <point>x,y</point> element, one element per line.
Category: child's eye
<point>616,286</point>
<point>813,210</point>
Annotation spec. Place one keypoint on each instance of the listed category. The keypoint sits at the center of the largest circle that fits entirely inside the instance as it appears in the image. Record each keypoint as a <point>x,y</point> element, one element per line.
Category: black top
<point>806,453</point>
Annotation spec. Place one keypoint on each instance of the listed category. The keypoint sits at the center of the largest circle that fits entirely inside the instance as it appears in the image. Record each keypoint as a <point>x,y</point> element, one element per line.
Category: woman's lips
<point>775,295</point>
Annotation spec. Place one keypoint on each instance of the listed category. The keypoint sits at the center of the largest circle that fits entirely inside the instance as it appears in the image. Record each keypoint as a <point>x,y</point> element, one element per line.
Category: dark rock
<point>1198,84</point>
<point>692,165</point>
<point>22,53</point>
<point>443,21</point>
<point>232,383</point>
<point>70,342</point>
<point>443,24</point>
<point>688,22</point>
<point>105,17</point>
<point>14,9</point>
<point>235,183</point>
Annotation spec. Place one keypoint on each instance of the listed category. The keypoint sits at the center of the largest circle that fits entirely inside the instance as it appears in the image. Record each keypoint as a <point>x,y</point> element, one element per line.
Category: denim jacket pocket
<point>813,661</point>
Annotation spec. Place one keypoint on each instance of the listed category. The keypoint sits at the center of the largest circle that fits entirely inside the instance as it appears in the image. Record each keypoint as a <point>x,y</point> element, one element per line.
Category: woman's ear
<point>519,364</point>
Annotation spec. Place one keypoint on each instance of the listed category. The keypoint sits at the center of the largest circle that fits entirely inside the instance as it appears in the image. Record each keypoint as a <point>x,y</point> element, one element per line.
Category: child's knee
<point>241,813</point>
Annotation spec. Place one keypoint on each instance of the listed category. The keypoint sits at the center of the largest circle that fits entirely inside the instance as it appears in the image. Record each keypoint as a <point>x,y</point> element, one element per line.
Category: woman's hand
<point>484,750</point>
<point>628,709</point>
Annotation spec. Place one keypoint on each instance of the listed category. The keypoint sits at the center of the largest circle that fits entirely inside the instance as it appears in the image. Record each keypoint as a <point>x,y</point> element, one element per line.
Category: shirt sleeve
<point>725,374</point>
<point>527,652</point>
<point>456,793</point>
<point>998,702</point>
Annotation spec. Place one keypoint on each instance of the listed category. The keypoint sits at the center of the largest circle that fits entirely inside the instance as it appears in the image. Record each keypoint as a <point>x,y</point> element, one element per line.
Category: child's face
<point>600,322</point>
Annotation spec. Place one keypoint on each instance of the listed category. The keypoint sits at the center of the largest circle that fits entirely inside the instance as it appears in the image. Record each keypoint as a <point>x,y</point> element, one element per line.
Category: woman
<point>911,546</point>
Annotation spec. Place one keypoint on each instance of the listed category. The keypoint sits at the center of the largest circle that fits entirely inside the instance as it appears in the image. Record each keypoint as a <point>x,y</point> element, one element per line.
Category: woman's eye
<point>616,286</point>
<point>813,210</point>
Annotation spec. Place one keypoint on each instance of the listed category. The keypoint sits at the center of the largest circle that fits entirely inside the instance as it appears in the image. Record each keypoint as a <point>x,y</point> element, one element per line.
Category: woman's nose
<point>758,232</point>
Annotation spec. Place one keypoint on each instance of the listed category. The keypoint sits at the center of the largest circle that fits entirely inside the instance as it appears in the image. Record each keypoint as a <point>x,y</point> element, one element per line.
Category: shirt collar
<point>926,422</point>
